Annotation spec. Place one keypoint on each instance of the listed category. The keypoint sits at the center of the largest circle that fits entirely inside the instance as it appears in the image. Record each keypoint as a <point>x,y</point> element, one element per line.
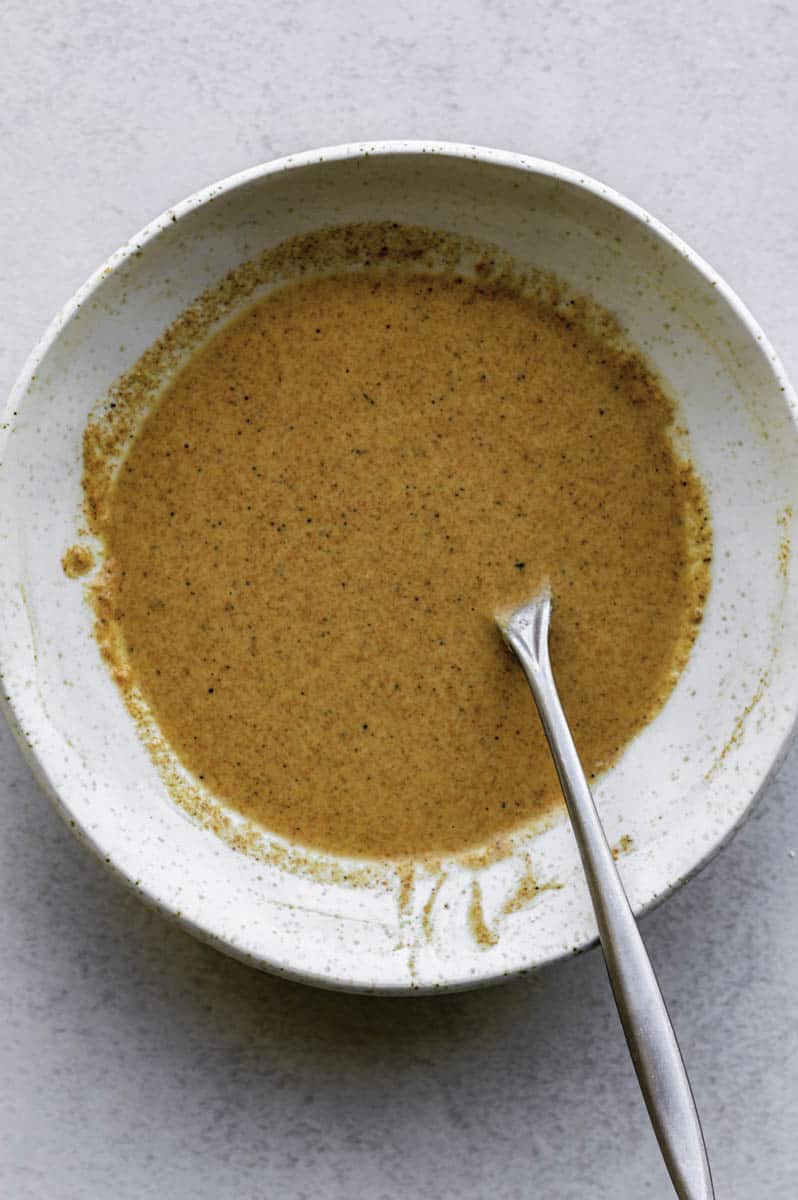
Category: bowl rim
<point>152,895</point>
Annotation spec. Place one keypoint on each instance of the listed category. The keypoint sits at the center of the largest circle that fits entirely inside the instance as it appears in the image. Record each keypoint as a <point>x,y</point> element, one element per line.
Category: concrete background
<point>136,1063</point>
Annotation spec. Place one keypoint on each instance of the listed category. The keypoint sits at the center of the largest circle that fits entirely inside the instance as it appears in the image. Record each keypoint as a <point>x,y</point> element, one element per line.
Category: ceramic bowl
<point>682,786</point>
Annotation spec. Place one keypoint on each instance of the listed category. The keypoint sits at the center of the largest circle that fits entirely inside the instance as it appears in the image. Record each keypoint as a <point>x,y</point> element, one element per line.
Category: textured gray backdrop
<point>137,1064</point>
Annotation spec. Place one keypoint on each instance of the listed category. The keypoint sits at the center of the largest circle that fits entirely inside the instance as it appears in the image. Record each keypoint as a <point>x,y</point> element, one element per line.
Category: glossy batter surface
<point>309,535</point>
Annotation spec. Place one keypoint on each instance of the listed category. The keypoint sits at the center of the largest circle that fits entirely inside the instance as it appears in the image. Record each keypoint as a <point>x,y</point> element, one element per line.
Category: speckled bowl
<point>683,785</point>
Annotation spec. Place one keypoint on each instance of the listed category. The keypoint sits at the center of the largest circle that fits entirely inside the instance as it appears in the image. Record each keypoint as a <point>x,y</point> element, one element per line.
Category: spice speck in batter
<point>307,539</point>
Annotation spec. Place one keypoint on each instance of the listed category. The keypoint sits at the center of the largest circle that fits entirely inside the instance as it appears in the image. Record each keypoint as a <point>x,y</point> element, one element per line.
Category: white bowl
<point>683,785</point>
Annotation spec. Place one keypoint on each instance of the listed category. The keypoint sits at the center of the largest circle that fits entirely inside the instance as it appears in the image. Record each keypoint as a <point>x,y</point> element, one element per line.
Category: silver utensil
<point>649,1033</point>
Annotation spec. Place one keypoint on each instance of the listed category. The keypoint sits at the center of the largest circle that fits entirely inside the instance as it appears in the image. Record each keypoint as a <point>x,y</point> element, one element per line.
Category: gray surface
<point>137,1063</point>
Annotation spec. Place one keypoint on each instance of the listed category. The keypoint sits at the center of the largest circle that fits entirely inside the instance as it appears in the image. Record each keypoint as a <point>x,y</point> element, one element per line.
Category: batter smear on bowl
<point>307,538</point>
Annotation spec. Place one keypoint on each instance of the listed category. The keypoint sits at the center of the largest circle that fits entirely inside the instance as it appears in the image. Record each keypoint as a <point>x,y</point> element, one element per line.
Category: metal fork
<point>644,1016</point>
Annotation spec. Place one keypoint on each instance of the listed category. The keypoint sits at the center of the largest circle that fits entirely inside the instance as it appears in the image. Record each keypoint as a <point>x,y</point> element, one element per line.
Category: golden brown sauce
<point>76,561</point>
<point>308,538</point>
<point>484,936</point>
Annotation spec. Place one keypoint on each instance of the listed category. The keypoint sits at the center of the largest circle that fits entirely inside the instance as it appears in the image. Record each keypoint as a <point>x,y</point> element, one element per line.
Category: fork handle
<point>644,1016</point>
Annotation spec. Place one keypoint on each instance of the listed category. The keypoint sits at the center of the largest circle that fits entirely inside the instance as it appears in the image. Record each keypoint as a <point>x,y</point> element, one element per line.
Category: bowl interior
<point>681,787</point>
